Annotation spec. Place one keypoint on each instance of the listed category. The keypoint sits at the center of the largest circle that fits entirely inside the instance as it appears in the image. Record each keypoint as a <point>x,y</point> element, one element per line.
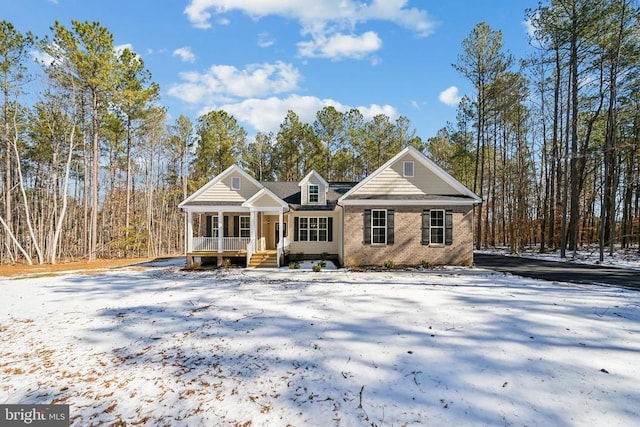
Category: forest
<point>95,169</point>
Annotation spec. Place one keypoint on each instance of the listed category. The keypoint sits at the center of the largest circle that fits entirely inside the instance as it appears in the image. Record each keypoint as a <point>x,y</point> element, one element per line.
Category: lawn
<point>154,344</point>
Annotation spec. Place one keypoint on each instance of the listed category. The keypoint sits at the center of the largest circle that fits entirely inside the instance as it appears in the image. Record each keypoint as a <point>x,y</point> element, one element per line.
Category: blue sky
<point>256,59</point>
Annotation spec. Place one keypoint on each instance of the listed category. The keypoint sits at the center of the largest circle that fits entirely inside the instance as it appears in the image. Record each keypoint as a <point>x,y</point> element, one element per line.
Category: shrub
<point>294,265</point>
<point>298,257</point>
<point>324,256</point>
<point>316,267</point>
<point>388,263</point>
<point>351,262</point>
<point>426,264</point>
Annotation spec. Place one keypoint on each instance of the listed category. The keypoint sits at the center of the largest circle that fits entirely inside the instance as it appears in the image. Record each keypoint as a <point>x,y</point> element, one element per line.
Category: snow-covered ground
<point>157,345</point>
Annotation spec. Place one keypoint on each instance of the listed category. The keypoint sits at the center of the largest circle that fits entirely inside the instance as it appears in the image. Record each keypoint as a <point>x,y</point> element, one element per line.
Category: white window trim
<point>308,228</point>
<point>241,228</point>
<point>214,226</point>
<point>384,227</point>
<point>235,183</point>
<point>317,187</point>
<point>442,227</point>
<point>404,168</point>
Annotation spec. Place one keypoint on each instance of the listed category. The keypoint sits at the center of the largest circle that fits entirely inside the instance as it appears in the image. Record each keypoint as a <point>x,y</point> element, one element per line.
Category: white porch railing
<point>282,248</point>
<point>210,244</point>
<point>251,248</point>
<point>261,244</point>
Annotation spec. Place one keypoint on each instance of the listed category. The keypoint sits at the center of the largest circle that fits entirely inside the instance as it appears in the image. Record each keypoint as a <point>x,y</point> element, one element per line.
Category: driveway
<point>560,271</point>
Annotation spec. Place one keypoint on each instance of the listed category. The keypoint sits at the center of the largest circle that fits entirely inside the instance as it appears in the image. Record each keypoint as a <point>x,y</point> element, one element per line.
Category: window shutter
<point>426,223</point>
<point>207,230</point>
<point>295,229</point>
<point>330,229</point>
<point>390,234</point>
<point>236,226</point>
<point>366,226</point>
<point>448,227</point>
<point>225,224</point>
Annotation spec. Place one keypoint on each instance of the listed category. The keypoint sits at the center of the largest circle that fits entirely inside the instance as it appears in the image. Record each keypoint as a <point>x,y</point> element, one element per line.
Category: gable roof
<point>266,193</point>
<point>459,194</point>
<point>318,177</point>
<point>228,171</point>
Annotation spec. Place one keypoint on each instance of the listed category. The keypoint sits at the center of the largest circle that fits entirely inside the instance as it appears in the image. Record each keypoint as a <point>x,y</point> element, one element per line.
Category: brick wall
<point>407,248</point>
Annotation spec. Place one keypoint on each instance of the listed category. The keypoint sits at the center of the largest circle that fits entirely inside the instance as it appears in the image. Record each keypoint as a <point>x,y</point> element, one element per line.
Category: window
<point>277,231</point>
<point>245,226</point>
<point>314,229</point>
<point>235,183</point>
<point>407,168</point>
<point>378,226</point>
<point>437,227</point>
<point>313,193</point>
<point>212,226</point>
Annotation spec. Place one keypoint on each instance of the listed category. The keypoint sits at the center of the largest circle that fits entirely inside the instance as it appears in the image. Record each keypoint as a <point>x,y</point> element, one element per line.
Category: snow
<point>158,345</point>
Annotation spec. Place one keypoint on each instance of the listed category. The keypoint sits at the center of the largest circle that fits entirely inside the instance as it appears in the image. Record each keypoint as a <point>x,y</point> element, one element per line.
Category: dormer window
<point>314,191</point>
<point>235,183</point>
<point>407,168</point>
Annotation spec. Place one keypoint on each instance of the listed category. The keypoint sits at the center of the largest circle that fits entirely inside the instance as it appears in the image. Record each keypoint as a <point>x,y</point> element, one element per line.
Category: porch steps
<point>266,259</point>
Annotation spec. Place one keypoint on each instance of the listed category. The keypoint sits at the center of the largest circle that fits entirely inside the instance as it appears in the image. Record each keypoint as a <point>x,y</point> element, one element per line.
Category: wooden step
<point>264,260</point>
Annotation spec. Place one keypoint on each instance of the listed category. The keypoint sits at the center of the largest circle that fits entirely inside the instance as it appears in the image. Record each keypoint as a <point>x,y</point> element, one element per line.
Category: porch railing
<point>251,248</point>
<point>210,244</point>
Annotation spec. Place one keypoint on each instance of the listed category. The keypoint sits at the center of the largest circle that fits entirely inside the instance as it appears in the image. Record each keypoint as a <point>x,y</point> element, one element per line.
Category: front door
<point>272,235</point>
<point>270,240</point>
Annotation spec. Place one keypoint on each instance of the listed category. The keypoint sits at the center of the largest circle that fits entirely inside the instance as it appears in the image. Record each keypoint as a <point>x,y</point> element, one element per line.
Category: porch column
<point>281,229</point>
<point>189,246</point>
<point>220,230</point>
<point>280,236</point>
<point>253,233</point>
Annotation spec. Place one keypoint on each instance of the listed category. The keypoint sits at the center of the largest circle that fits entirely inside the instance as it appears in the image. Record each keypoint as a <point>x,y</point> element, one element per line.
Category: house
<point>408,211</point>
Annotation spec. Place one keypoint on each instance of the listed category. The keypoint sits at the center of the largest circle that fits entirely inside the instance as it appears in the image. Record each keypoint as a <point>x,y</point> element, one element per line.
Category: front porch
<point>257,236</point>
<point>227,219</point>
<point>227,247</point>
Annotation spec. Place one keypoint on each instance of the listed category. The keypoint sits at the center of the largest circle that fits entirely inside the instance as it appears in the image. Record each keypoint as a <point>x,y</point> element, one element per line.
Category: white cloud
<point>341,46</point>
<point>228,82</point>
<point>121,47</point>
<point>265,40</point>
<point>185,54</point>
<point>42,57</point>
<point>529,28</point>
<point>325,21</point>
<point>450,96</point>
<point>266,115</point>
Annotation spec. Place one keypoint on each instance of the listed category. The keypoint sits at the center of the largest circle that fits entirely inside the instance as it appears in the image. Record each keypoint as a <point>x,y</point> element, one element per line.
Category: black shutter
<point>426,223</point>
<point>226,226</point>
<point>207,230</point>
<point>330,229</point>
<point>236,226</point>
<point>366,226</point>
<point>295,228</point>
<point>390,234</point>
<point>448,228</point>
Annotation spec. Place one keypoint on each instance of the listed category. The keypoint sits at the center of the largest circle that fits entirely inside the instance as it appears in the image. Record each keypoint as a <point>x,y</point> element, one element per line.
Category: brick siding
<point>407,249</point>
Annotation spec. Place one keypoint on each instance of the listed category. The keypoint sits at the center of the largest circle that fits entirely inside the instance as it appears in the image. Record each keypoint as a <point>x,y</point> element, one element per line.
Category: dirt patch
<point>9,270</point>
